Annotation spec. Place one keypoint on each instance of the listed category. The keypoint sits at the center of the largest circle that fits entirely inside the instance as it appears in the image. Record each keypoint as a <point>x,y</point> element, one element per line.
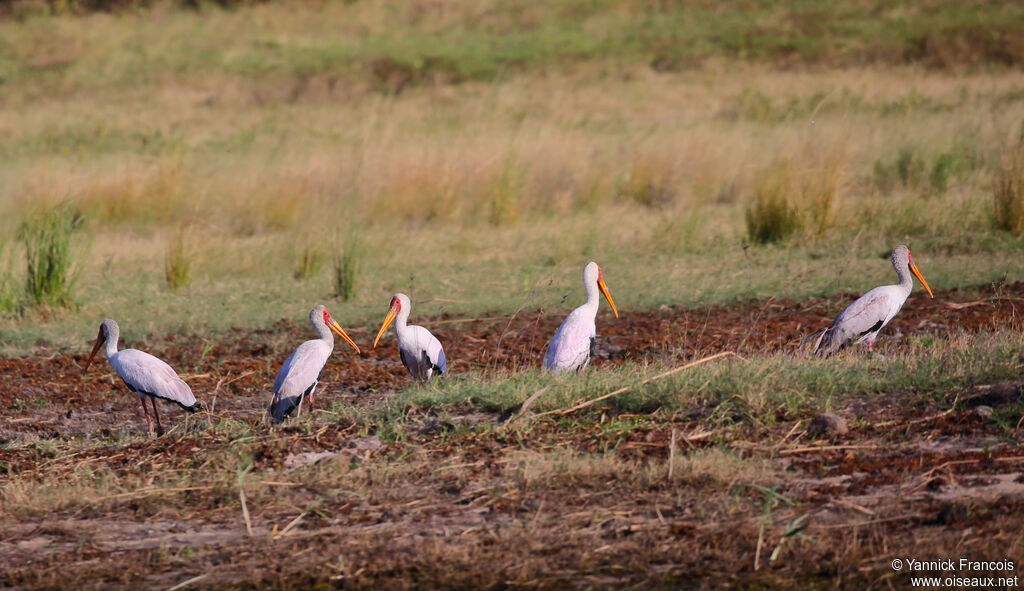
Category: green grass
<point>249,283</point>
<point>391,47</point>
<point>49,273</point>
<point>484,153</point>
<point>752,393</point>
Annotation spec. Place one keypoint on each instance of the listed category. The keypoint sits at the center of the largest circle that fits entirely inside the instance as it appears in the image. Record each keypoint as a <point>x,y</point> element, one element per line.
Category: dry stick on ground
<point>188,582</point>
<point>528,402</point>
<point>647,381</point>
<point>672,454</point>
<point>149,491</point>
<point>951,408</point>
<point>293,523</point>
<point>241,497</point>
<point>801,450</point>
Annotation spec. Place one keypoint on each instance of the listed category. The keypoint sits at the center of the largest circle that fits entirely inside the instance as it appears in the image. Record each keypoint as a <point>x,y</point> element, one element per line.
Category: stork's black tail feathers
<point>823,345</point>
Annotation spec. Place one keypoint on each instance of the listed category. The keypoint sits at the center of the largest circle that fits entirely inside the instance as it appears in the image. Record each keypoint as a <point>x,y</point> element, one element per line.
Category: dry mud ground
<point>481,507</point>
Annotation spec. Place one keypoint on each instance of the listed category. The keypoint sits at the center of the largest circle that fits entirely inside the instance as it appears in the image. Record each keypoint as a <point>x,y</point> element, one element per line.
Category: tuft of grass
<point>9,292</point>
<point>1009,189</point>
<point>505,191</point>
<point>49,279</point>
<point>177,263</point>
<point>788,200</point>
<point>309,263</point>
<point>346,267</point>
<point>772,217</point>
<point>650,183</point>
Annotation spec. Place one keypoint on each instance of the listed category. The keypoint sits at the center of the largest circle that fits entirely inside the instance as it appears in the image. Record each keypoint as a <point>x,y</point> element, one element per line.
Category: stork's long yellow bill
<point>333,324</point>
<point>392,312</point>
<point>913,269</point>
<point>607,296</point>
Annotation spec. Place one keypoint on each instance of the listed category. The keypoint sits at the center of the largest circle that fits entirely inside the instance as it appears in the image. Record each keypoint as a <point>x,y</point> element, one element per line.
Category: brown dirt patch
<point>492,508</point>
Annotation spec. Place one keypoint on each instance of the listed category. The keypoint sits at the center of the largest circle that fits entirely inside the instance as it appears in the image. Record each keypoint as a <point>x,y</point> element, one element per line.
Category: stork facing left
<point>144,374</point>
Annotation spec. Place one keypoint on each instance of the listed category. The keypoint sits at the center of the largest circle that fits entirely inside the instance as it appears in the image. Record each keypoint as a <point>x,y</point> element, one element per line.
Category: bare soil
<point>928,481</point>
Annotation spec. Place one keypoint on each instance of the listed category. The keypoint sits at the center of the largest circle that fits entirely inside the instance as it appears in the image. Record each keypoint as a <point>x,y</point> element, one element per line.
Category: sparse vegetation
<point>773,216</point>
<point>347,266</point>
<point>1009,188</point>
<point>476,154</point>
<point>309,262</point>
<point>177,261</point>
<point>49,276</point>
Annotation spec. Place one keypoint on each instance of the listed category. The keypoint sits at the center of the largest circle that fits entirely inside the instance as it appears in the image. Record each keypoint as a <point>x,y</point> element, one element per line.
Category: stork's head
<point>108,331</point>
<point>319,315</point>
<point>399,302</point>
<point>592,276</point>
<point>901,259</point>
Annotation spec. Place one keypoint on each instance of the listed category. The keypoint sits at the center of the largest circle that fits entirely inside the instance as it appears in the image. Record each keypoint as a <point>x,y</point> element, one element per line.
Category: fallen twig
<point>671,456</point>
<point>241,497</point>
<point>647,381</point>
<point>150,491</point>
<point>188,582</point>
<point>801,450</point>
<point>925,419</point>
<point>293,523</point>
<point>528,402</point>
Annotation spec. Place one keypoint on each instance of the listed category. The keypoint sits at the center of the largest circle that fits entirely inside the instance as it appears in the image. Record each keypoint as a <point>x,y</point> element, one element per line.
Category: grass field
<point>740,170</point>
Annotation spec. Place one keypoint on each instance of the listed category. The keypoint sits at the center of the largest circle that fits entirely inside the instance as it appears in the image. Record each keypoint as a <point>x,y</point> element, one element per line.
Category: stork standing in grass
<point>862,319</point>
<point>144,374</point>
<point>301,372</point>
<point>420,351</point>
<point>573,344</point>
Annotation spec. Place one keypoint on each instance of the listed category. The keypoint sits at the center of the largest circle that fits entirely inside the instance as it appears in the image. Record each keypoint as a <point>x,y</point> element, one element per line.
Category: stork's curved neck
<point>906,282</point>
<point>324,332</point>
<point>401,320</point>
<point>593,295</point>
<point>113,334</point>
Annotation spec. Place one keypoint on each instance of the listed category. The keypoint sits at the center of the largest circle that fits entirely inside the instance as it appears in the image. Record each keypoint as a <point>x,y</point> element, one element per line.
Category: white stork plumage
<point>300,374</point>
<point>862,319</point>
<point>420,351</point>
<point>144,374</point>
<point>571,347</point>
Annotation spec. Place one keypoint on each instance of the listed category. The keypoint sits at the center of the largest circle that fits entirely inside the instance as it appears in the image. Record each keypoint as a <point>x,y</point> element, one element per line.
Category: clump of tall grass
<point>1009,189</point>
<point>177,262</point>
<point>309,263</point>
<point>346,267</point>
<point>49,278</point>
<point>910,169</point>
<point>788,201</point>
<point>505,190</point>
<point>9,293</point>
<point>650,184</point>
<point>772,217</point>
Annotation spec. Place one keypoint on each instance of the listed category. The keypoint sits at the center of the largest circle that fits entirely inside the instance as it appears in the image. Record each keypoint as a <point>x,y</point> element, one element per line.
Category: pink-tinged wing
<point>147,374</point>
<point>300,371</point>
<point>864,317</point>
<point>569,349</point>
